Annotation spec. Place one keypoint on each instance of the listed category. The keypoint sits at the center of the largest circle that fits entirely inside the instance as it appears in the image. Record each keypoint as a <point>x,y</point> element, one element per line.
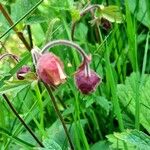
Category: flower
<point>105,24</point>
<point>50,69</point>
<point>86,83</point>
<point>22,72</point>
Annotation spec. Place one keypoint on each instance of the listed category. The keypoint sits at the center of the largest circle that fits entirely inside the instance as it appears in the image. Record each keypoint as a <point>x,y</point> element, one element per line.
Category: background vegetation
<point>115,116</point>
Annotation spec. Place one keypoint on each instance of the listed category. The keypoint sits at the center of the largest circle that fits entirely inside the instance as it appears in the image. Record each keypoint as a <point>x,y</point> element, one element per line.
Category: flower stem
<point>21,120</point>
<point>69,44</point>
<point>19,34</point>
<point>10,55</point>
<point>14,25</point>
<point>59,114</point>
<point>82,13</point>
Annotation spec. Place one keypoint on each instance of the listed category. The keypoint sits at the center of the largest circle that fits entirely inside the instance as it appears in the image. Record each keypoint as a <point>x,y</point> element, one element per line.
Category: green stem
<point>59,114</point>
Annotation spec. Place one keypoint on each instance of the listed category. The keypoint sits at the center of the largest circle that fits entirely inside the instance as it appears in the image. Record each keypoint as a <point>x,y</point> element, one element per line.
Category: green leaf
<point>133,138</point>
<point>141,11</point>
<point>101,145</point>
<point>111,13</point>
<point>104,103</point>
<point>81,32</point>
<point>21,7</point>
<point>15,139</point>
<point>56,132</point>
<point>50,145</point>
<point>14,86</point>
<point>35,19</point>
<point>127,95</point>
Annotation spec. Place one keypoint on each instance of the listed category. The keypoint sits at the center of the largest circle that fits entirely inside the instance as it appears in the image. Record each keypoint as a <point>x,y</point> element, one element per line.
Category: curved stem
<point>88,9</point>
<point>82,13</point>
<point>69,44</point>
<point>10,55</point>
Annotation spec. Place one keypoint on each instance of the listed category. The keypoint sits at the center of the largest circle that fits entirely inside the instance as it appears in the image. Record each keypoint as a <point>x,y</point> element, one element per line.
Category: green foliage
<point>101,145</point>
<point>120,56</point>
<point>141,11</point>
<point>129,92</point>
<point>133,138</point>
<point>50,145</point>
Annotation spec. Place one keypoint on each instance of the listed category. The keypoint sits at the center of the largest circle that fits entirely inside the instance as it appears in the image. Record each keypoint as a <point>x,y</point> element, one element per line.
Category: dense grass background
<point>115,116</point>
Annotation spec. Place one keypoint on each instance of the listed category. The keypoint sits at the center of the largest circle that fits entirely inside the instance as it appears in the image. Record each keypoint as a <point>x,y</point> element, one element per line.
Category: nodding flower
<point>86,80</point>
<point>50,69</point>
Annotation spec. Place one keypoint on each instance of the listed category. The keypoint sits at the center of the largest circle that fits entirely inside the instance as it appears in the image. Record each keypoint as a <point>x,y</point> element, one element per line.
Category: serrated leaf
<point>133,138</point>
<point>127,95</point>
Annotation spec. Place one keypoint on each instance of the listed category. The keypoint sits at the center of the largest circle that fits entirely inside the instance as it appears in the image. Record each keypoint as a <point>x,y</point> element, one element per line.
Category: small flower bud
<point>86,84</point>
<point>50,69</point>
<point>106,24</point>
<point>22,72</point>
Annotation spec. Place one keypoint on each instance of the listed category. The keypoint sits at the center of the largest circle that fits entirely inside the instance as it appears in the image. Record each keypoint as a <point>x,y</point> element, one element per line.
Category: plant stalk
<point>19,34</point>
<point>69,44</point>
<point>59,114</point>
<point>21,120</point>
<point>12,26</point>
<point>82,13</point>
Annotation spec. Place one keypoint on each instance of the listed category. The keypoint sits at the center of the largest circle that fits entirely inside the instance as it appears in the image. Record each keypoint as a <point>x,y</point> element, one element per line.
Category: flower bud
<point>22,72</point>
<point>50,69</point>
<point>106,24</point>
<point>86,83</point>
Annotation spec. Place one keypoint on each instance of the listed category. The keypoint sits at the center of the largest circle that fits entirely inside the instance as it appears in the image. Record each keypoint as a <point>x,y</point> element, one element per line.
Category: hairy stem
<point>70,44</point>
<point>10,55</point>
<point>21,120</point>
<point>67,43</point>
<point>59,114</point>
<point>82,13</point>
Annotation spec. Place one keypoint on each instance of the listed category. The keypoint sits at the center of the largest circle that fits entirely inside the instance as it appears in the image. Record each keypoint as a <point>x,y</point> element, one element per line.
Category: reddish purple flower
<point>106,24</point>
<point>22,72</point>
<point>86,83</point>
<point>50,69</point>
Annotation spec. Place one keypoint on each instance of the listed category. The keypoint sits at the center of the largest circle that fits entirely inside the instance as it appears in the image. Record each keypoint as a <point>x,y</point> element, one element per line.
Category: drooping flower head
<point>50,69</point>
<point>86,80</point>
